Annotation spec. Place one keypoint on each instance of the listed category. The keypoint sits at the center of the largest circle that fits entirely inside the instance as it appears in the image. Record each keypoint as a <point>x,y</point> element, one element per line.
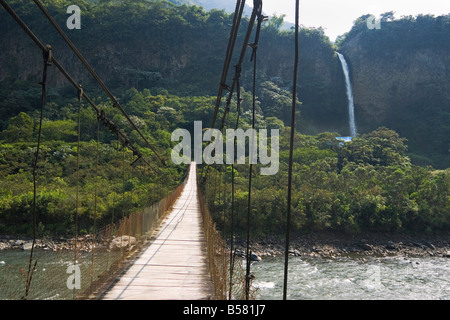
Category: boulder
<point>16,244</point>
<point>122,242</point>
<point>316,250</point>
<point>27,246</point>
<point>4,245</point>
<point>240,253</point>
<point>365,246</point>
<point>419,245</point>
<point>255,257</point>
<point>391,245</point>
<point>430,245</point>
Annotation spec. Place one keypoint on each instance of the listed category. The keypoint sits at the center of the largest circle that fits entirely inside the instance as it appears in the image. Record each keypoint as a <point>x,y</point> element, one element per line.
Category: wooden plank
<point>174,266</point>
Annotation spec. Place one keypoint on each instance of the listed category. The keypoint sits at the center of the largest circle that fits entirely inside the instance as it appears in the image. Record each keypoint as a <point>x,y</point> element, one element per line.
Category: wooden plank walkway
<point>174,266</point>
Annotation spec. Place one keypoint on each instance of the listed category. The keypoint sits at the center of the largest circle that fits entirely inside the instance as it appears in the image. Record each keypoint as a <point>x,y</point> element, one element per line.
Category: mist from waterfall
<point>351,106</point>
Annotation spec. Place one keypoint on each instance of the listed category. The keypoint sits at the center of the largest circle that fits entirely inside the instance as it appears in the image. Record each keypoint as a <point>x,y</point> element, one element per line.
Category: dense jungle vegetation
<point>369,184</point>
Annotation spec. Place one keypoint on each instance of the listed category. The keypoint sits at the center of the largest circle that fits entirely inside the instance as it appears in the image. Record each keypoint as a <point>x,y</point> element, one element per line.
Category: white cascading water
<point>351,106</point>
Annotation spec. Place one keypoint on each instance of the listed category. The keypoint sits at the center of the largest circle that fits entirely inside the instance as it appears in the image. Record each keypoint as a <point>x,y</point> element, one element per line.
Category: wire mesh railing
<point>78,268</point>
<point>228,278</point>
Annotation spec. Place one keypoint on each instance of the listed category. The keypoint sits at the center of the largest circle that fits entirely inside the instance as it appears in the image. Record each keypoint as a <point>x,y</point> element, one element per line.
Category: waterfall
<point>351,106</point>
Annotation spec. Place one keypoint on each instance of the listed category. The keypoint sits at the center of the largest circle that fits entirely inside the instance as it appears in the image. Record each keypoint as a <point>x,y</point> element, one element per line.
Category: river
<point>310,278</point>
<point>52,273</point>
<point>352,278</point>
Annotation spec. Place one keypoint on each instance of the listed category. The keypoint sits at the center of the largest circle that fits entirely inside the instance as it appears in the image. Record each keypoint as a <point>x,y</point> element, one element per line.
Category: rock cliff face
<point>406,89</point>
<point>135,63</point>
<point>382,81</point>
<point>185,60</point>
<point>141,63</point>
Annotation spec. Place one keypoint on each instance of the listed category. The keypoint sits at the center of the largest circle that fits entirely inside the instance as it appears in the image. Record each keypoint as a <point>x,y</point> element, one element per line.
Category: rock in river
<point>255,257</point>
<point>27,246</point>
<point>122,242</point>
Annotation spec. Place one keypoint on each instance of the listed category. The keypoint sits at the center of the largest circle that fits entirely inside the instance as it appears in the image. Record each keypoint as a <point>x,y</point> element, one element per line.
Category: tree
<point>388,16</point>
<point>382,147</point>
<point>20,128</point>
<point>275,22</point>
<point>276,102</point>
<point>59,130</point>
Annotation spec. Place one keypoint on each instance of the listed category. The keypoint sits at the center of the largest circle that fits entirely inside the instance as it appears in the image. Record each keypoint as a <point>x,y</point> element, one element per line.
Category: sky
<point>336,17</point>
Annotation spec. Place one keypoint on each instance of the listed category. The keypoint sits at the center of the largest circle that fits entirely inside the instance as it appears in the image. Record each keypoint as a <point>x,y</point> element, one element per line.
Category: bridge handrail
<point>219,257</point>
<point>99,257</point>
<point>140,225</point>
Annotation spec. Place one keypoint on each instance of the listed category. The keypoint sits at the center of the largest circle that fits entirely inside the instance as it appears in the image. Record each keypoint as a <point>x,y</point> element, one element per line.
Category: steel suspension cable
<point>240,4</point>
<point>47,57</point>
<point>254,45</point>
<point>250,176</point>
<point>238,67</point>
<point>232,252</point>
<point>230,49</point>
<point>95,200</point>
<point>77,195</point>
<point>291,150</point>
<point>255,11</point>
<point>96,77</point>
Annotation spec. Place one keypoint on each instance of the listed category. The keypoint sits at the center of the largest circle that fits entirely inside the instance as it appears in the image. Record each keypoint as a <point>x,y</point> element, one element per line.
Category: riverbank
<point>326,245</point>
<point>85,243</point>
<point>331,245</point>
<point>21,243</point>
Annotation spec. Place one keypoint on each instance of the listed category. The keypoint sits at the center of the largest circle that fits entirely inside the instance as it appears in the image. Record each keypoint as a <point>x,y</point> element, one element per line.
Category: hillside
<point>227,5</point>
<point>157,45</point>
<point>400,74</point>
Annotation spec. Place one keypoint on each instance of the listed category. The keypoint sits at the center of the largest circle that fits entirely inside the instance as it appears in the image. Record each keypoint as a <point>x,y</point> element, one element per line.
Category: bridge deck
<point>174,266</point>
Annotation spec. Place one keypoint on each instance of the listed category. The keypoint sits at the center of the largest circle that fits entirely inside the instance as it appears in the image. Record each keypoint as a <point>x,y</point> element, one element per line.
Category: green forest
<point>369,184</point>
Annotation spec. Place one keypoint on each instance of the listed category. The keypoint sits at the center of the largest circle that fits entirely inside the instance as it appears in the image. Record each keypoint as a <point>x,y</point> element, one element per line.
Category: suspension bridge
<point>169,251</point>
<point>174,266</point>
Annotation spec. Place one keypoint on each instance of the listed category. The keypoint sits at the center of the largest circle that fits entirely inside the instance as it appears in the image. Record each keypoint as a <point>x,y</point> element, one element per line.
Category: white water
<point>345,278</point>
<point>351,106</point>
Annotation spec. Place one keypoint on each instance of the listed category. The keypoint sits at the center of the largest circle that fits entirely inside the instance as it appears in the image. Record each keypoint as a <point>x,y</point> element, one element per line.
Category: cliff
<point>401,79</point>
<point>158,45</point>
